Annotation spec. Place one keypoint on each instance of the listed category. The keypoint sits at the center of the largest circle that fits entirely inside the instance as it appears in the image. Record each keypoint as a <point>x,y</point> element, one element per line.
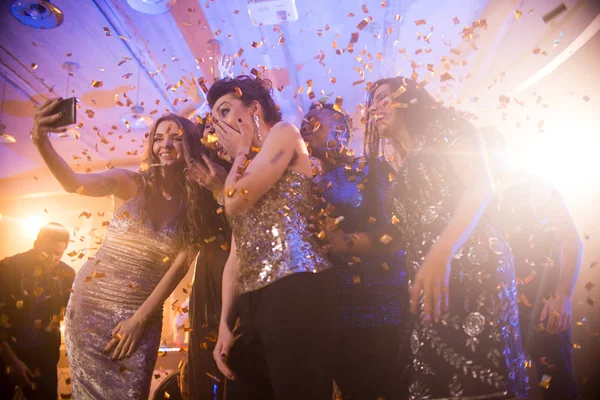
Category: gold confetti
<point>545,381</point>
<point>38,291</point>
<point>122,369</point>
<point>34,66</point>
<point>106,31</point>
<point>98,275</point>
<point>96,84</point>
<point>518,13</point>
<point>361,25</point>
<point>420,22</point>
<point>456,20</point>
<point>385,266</point>
<point>19,304</point>
<point>37,323</point>
<point>385,239</point>
<point>356,279</point>
<point>365,9</point>
<point>166,259</point>
<point>238,92</point>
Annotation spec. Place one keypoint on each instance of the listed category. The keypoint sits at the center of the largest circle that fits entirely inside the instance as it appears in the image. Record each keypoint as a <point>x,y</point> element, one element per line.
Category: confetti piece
<point>122,369</point>
<point>554,13</point>
<point>420,22</point>
<point>518,13</point>
<point>361,25</point>
<point>398,17</point>
<point>586,98</point>
<point>38,291</point>
<point>385,239</point>
<point>591,301</point>
<point>456,20</point>
<point>365,9</point>
<point>385,266</point>
<point>446,77</point>
<point>98,275</point>
<point>34,66</point>
<point>19,304</point>
<point>589,286</point>
<point>106,31</point>
<point>545,381</point>
<point>96,84</point>
<point>166,259</point>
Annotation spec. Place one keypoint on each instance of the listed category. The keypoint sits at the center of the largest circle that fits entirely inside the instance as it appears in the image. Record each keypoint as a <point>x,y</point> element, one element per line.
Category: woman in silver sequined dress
<point>465,336</point>
<point>276,282</point>
<point>114,316</point>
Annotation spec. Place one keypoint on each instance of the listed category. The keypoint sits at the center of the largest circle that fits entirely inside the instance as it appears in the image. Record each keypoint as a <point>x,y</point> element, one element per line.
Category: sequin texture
<point>474,349</point>
<point>272,238</point>
<point>109,289</point>
<point>356,192</point>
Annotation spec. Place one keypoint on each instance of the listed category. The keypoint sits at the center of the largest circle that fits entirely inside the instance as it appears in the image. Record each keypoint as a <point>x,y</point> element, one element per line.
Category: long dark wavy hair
<point>199,221</point>
<point>421,109</point>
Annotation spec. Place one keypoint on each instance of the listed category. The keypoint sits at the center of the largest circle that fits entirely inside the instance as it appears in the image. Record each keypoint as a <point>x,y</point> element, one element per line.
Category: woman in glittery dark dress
<point>275,280</point>
<point>350,195</point>
<point>465,337</point>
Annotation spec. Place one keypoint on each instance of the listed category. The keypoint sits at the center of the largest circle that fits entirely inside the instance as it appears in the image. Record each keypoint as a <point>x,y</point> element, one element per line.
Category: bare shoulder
<point>285,130</point>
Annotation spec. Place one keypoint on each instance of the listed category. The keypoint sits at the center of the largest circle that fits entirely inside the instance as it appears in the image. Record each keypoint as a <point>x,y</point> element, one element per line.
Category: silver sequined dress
<point>109,289</point>
<point>272,238</point>
<point>474,352</point>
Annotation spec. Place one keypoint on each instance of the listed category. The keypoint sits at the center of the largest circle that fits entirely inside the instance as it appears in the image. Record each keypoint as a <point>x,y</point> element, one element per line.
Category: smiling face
<point>383,114</point>
<point>167,145</point>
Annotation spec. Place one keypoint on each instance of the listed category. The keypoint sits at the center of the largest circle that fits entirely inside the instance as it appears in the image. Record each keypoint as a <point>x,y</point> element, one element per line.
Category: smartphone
<point>67,107</point>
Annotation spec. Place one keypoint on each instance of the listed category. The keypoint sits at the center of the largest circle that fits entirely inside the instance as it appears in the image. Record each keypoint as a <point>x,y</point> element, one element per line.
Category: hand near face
<point>236,140</point>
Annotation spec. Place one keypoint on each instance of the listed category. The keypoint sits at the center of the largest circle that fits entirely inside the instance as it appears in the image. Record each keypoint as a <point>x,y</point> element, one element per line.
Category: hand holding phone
<point>52,116</point>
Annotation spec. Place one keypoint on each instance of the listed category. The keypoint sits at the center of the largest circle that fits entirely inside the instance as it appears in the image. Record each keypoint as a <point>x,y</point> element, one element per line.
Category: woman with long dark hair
<point>465,337</point>
<point>114,317</point>
<point>275,280</point>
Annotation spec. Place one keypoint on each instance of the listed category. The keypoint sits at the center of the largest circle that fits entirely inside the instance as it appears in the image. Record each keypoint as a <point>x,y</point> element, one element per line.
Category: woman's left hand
<point>432,279</point>
<point>234,141</point>
<point>126,337</point>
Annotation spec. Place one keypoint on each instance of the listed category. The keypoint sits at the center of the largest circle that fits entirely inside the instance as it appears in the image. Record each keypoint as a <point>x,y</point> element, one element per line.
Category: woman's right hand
<point>43,119</point>
<point>333,243</point>
<point>222,349</point>
<point>212,176</point>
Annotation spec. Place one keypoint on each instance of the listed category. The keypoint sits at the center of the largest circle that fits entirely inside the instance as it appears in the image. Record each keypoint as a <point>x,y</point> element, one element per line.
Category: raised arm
<point>121,183</point>
<point>127,334</point>
<point>281,146</point>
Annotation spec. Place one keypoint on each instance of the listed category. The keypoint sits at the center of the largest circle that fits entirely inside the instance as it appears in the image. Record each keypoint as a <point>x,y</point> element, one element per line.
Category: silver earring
<point>256,127</point>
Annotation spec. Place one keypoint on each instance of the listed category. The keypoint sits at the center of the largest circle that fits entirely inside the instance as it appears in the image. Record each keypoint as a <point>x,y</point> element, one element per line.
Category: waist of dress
<point>124,271</point>
<point>264,263</point>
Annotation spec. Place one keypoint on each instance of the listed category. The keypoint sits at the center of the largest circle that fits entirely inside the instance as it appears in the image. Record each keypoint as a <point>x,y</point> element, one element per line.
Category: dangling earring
<point>256,127</point>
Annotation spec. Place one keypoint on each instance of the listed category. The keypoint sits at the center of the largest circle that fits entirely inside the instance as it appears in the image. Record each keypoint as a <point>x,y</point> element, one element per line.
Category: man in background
<point>34,291</point>
<point>547,253</point>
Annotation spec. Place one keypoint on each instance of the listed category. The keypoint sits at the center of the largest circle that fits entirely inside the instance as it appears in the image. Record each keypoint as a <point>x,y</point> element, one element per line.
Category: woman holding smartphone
<point>114,317</point>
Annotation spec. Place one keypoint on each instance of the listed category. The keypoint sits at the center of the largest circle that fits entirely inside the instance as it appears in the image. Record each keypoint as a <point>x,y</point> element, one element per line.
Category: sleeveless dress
<point>109,289</point>
<point>474,351</point>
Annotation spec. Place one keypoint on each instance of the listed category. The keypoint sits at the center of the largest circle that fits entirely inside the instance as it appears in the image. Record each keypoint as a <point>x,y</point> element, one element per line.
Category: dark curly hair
<point>345,118</point>
<point>251,89</point>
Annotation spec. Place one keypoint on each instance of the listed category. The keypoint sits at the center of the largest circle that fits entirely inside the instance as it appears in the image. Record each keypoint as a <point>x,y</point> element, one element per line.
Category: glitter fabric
<point>109,289</point>
<point>272,238</point>
<point>356,192</point>
<point>474,351</point>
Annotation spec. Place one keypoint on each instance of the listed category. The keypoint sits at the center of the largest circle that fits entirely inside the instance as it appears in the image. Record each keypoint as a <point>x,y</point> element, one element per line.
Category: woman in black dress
<point>465,338</point>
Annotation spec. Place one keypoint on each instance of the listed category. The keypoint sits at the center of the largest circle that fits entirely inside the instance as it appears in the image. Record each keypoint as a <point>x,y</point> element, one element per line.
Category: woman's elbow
<point>236,208</point>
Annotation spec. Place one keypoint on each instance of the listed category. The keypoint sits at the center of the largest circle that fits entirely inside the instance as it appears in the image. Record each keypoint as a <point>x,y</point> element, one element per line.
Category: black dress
<point>474,351</point>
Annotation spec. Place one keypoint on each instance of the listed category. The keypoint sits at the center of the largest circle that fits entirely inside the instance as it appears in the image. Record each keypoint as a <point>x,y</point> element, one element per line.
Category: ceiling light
<point>136,119</point>
<point>151,7</point>
<point>37,14</point>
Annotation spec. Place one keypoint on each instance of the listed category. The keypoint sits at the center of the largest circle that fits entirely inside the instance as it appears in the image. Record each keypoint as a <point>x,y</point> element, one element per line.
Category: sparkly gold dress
<point>272,238</point>
<point>109,289</point>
